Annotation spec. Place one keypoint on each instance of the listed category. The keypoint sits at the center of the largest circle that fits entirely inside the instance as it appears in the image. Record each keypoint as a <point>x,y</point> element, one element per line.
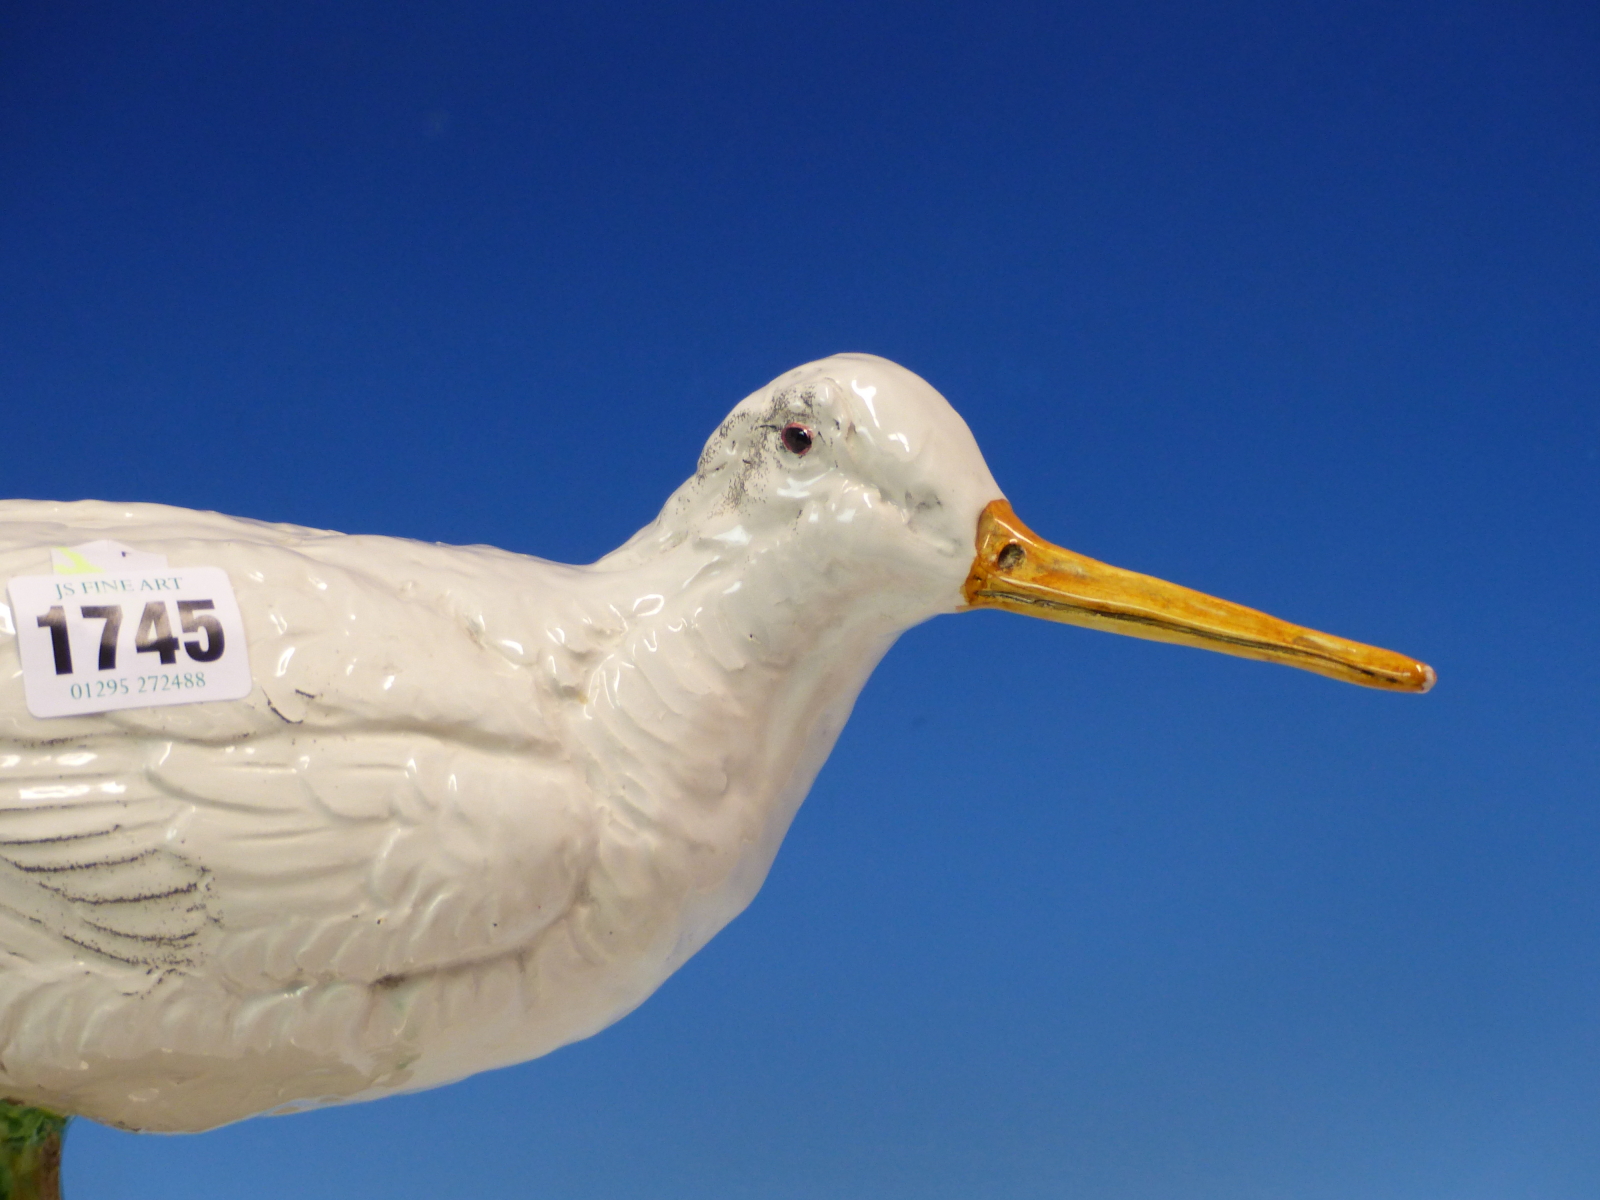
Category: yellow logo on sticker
<point>73,563</point>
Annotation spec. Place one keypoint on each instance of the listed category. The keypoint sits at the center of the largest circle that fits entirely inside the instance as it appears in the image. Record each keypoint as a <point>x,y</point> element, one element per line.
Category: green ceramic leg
<point>30,1153</point>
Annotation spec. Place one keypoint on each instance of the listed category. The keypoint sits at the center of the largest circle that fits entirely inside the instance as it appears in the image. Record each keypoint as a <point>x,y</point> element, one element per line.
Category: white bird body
<point>476,805</point>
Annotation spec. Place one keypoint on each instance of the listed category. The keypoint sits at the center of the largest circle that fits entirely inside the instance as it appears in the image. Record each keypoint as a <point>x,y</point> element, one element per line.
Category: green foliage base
<point>30,1152</point>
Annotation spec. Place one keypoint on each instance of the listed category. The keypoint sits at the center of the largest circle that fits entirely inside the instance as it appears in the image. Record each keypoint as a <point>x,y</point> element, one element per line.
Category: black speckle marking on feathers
<point>761,431</point>
<point>280,716</point>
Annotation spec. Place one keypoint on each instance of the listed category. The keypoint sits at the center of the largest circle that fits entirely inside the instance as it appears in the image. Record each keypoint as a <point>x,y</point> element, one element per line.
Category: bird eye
<point>796,438</point>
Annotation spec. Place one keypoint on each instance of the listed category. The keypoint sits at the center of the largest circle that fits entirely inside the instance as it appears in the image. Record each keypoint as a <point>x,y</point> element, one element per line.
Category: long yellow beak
<point>1021,572</point>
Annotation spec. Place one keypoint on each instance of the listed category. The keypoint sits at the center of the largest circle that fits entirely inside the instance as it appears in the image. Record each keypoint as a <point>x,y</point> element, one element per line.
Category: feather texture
<point>475,805</point>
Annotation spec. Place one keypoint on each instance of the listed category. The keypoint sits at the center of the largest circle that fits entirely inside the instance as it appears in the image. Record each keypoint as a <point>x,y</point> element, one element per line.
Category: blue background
<point>1295,303</point>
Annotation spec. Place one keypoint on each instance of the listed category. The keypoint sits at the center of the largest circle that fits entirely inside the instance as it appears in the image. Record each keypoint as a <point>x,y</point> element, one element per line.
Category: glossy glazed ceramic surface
<point>476,805</point>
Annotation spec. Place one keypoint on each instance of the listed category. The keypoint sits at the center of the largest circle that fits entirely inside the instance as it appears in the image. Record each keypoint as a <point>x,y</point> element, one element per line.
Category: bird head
<point>854,474</point>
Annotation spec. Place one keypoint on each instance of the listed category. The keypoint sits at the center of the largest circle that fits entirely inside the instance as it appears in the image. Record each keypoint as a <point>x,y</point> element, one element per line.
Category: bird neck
<point>782,589</point>
<point>714,680</point>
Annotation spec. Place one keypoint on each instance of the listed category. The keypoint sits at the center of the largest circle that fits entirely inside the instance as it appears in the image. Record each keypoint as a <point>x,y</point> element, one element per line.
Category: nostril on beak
<point>1009,556</point>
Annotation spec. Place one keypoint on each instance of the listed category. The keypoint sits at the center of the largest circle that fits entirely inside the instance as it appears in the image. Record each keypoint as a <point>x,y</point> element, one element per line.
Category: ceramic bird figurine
<point>427,810</point>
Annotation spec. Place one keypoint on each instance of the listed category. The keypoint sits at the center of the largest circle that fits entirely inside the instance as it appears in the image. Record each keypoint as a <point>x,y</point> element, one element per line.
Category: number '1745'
<point>154,635</point>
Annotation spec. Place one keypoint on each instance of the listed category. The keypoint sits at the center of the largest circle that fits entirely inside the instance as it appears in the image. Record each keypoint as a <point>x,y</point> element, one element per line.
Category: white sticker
<point>129,639</point>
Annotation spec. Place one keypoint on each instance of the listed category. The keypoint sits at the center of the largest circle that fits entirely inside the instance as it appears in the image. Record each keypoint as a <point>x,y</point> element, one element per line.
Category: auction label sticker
<point>134,639</point>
